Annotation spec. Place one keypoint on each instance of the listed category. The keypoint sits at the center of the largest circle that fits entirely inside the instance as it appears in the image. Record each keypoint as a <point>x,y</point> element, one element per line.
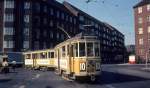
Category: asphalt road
<point>113,76</point>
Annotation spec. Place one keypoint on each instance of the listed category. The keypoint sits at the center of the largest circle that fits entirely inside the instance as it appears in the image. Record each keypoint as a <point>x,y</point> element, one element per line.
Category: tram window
<point>68,50</point>
<point>43,55</point>
<point>28,56</point>
<point>90,49</point>
<point>81,49</point>
<point>52,54</point>
<point>75,49</point>
<point>63,51</point>
<point>34,56</point>
<point>97,50</point>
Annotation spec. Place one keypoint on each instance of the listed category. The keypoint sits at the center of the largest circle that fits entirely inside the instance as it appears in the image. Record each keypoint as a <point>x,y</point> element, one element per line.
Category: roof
<point>142,3</point>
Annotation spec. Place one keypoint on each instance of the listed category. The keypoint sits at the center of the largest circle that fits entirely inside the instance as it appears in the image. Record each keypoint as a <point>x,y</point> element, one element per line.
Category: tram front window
<point>75,49</point>
<point>90,49</point>
<point>81,49</point>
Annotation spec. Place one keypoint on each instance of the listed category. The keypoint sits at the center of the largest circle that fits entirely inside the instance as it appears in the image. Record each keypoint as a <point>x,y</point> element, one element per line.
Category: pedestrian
<point>13,65</point>
<point>5,65</point>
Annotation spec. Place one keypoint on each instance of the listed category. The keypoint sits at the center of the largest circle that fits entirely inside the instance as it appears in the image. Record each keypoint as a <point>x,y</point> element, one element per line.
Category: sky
<point>118,13</point>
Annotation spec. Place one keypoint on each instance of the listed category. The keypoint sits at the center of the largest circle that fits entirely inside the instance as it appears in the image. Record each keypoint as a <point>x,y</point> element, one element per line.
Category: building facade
<point>33,25</point>
<point>142,29</point>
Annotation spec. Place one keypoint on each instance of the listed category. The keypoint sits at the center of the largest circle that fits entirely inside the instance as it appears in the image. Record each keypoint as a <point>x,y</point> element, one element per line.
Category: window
<point>148,7</point>
<point>8,44</point>
<point>63,51</point>
<point>62,16</point>
<point>26,18</point>
<point>90,51</point>
<point>51,34</point>
<point>140,20</point>
<point>26,31</point>
<point>141,51</point>
<point>51,11</point>
<point>141,41</point>
<point>43,55</point>
<point>51,23</point>
<point>71,19</point>
<point>97,49</point>
<point>9,4</point>
<point>51,54</point>
<point>37,6</point>
<point>148,29</point>
<point>81,49</point>
<point>75,49</point>
<point>26,44</point>
<point>148,18</point>
<point>140,30</point>
<point>45,9</point>
<point>140,10</point>
<point>58,13</point>
<point>57,35</point>
<point>9,18</point>
<point>8,31</point>
<point>81,18</point>
<point>26,5</point>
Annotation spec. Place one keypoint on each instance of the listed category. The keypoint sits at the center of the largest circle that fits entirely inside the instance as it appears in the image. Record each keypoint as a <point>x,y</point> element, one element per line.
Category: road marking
<point>110,86</point>
<point>22,86</point>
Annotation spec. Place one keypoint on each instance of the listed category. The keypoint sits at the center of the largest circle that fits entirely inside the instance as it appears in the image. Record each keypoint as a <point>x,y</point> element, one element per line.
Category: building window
<point>141,51</point>
<point>51,11</point>
<point>148,7</point>
<point>51,35</point>
<point>51,23</point>
<point>140,20</point>
<point>8,31</point>
<point>26,5</point>
<point>37,6</point>
<point>26,18</point>
<point>71,19</point>
<point>45,9</point>
<point>141,41</point>
<point>148,29</point>
<point>81,18</point>
<point>57,35</point>
<point>45,21</point>
<point>9,18</point>
<point>148,18</point>
<point>8,44</point>
<point>140,10</point>
<point>58,13</point>
<point>140,30</point>
<point>9,4</point>
<point>26,31</point>
<point>62,16</point>
<point>26,44</point>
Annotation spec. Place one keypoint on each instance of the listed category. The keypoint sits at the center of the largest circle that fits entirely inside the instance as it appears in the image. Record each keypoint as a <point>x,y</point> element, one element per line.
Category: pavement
<point>113,76</point>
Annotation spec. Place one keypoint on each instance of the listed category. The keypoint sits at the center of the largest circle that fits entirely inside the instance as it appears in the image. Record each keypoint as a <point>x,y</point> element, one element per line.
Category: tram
<point>39,59</point>
<point>78,57</point>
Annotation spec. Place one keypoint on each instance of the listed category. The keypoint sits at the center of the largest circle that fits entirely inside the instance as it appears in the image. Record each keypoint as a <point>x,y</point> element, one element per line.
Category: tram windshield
<point>89,49</point>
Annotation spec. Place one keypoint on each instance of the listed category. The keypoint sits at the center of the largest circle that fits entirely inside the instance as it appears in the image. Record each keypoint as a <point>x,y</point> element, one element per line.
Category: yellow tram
<point>39,59</point>
<point>78,57</point>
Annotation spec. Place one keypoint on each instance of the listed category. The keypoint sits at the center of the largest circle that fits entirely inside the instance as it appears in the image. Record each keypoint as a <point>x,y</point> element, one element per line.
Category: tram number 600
<point>82,67</point>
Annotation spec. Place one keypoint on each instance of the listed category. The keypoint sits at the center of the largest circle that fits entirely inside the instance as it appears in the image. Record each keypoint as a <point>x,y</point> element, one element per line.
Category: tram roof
<point>82,35</point>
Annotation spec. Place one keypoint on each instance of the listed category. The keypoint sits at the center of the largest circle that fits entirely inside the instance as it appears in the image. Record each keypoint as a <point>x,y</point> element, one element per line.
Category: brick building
<point>142,29</point>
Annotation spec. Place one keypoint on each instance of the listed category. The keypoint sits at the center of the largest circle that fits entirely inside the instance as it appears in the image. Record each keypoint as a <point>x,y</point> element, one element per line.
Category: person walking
<point>13,65</point>
<point>5,65</point>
